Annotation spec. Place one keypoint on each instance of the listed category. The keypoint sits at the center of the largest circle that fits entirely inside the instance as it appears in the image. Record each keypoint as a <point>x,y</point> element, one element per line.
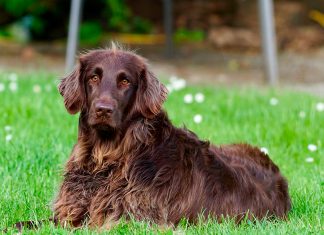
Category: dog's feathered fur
<point>148,169</point>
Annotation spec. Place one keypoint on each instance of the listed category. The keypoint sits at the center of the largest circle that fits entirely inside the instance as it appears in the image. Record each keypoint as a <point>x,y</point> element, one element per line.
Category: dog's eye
<point>94,78</point>
<point>124,82</point>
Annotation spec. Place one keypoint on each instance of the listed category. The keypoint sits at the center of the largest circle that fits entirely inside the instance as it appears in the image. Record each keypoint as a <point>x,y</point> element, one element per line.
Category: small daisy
<point>197,118</point>
<point>264,150</point>
<point>8,137</point>
<point>312,147</point>
<point>2,87</point>
<point>302,114</point>
<point>309,159</point>
<point>274,101</point>
<point>320,107</point>
<point>179,84</point>
<point>188,98</point>
<point>13,86</point>
<point>13,77</point>
<point>199,97</point>
<point>37,89</point>
<point>7,128</point>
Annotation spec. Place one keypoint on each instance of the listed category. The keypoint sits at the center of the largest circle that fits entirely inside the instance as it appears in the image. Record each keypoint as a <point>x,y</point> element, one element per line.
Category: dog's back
<point>259,190</point>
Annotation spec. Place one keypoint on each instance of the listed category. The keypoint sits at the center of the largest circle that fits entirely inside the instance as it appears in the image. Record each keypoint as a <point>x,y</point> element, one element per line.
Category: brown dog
<point>130,161</point>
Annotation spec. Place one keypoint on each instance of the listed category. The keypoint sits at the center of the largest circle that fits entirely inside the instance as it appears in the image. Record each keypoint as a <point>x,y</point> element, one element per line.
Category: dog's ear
<point>150,94</point>
<point>70,89</point>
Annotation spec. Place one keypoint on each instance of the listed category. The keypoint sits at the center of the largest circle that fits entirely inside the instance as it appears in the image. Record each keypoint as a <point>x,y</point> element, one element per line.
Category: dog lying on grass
<point>130,161</point>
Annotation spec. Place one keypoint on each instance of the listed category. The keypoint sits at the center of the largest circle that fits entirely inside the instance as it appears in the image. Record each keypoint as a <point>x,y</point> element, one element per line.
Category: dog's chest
<point>117,193</point>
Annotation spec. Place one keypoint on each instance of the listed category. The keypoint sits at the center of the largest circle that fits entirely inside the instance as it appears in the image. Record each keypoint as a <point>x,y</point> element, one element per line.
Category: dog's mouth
<point>100,123</point>
<point>103,123</point>
<point>103,127</point>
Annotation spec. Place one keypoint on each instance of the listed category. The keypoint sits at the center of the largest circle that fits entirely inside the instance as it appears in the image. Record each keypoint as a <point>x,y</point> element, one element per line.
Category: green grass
<point>43,134</point>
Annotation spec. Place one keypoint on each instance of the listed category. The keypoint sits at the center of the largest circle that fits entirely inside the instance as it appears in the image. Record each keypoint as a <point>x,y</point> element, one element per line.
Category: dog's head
<point>111,85</point>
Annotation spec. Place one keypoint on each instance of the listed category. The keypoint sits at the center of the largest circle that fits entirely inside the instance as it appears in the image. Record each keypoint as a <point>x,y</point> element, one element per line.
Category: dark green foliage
<point>121,19</point>
<point>42,19</point>
<point>185,35</point>
<point>90,32</point>
<point>48,19</point>
<point>19,8</point>
<point>118,15</point>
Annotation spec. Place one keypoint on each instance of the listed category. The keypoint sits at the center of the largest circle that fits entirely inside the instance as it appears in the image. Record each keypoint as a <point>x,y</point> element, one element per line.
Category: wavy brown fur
<point>145,167</point>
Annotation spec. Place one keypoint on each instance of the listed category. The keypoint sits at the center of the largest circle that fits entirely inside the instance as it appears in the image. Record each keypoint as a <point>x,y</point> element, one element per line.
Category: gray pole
<point>167,18</point>
<point>73,34</point>
<point>269,45</point>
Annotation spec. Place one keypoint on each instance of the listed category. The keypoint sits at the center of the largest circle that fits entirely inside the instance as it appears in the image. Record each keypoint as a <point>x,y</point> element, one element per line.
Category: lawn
<point>37,135</point>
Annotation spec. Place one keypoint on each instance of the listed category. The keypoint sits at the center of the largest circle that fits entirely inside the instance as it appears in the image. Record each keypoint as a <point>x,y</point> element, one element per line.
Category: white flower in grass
<point>302,114</point>
<point>2,87</point>
<point>13,77</point>
<point>197,118</point>
<point>8,137</point>
<point>188,98</point>
<point>320,107</point>
<point>13,86</point>
<point>199,97</point>
<point>309,159</point>
<point>37,89</point>
<point>312,147</point>
<point>7,128</point>
<point>264,150</point>
<point>179,84</point>
<point>274,101</point>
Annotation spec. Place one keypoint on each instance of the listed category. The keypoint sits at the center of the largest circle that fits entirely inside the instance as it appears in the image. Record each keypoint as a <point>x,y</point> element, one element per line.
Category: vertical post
<point>269,45</point>
<point>168,29</point>
<point>73,34</point>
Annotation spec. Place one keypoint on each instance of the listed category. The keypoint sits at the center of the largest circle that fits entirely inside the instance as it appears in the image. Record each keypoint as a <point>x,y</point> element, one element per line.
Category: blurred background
<point>214,41</point>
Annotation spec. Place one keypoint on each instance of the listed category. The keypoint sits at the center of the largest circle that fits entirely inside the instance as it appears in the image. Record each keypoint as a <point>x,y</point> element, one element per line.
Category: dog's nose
<point>104,109</point>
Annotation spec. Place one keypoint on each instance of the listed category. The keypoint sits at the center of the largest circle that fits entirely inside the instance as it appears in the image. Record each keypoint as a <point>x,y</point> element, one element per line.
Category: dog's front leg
<point>70,206</point>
